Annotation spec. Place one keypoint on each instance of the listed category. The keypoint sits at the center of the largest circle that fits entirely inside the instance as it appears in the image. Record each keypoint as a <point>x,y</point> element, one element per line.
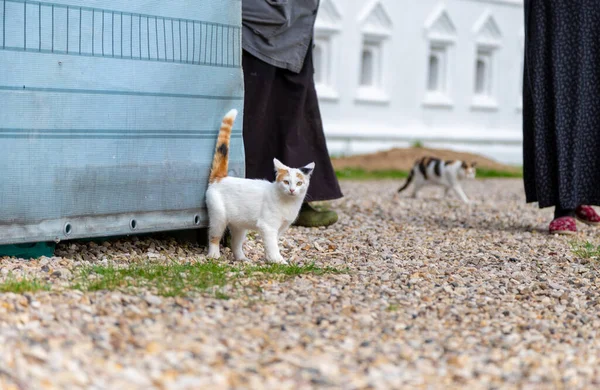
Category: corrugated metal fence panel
<point>109,113</point>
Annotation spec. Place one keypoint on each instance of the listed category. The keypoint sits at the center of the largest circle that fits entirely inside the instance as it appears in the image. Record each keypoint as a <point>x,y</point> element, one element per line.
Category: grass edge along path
<point>22,285</point>
<point>172,279</point>
<point>361,174</point>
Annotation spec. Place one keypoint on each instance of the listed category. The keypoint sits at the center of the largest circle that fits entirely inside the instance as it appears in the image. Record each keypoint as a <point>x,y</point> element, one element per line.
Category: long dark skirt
<point>561,102</point>
<point>282,120</point>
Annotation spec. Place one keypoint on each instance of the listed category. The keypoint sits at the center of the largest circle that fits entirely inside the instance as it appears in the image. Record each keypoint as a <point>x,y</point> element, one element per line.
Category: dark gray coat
<point>279,32</point>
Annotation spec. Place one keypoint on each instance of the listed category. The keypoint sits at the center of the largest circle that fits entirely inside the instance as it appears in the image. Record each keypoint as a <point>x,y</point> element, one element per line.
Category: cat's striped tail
<point>220,164</point>
<point>409,180</point>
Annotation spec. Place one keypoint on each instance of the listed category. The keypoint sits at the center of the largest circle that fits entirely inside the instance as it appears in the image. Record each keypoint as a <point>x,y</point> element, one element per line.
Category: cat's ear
<point>279,165</point>
<point>308,169</point>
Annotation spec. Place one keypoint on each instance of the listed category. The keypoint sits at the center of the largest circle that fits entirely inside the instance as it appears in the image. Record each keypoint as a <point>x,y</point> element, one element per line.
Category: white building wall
<point>401,110</point>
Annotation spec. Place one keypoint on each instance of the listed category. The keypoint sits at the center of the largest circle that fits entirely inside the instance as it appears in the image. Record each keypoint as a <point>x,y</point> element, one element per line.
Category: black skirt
<point>561,103</point>
<point>282,120</point>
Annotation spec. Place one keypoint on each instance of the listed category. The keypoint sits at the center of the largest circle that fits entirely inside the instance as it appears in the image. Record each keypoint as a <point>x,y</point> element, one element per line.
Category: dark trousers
<point>282,120</point>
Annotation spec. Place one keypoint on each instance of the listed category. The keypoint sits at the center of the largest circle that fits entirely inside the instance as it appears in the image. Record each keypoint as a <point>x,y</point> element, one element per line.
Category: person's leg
<point>302,140</point>
<point>282,120</point>
<point>561,212</point>
<point>261,135</point>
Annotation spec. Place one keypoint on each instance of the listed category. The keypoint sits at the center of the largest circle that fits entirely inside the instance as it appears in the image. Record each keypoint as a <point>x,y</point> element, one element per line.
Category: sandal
<point>563,225</point>
<point>587,215</point>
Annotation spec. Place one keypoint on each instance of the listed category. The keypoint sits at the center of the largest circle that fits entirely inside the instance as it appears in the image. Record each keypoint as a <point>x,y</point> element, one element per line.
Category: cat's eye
<point>287,183</point>
<point>299,183</point>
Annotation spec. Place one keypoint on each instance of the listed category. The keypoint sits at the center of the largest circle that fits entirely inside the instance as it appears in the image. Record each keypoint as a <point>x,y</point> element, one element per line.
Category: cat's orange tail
<point>220,163</point>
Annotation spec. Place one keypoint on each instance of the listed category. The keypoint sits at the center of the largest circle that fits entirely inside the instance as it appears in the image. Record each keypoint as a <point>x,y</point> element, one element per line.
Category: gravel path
<point>438,295</point>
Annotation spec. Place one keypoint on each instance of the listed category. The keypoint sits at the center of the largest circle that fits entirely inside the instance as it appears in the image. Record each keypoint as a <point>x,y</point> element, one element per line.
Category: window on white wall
<point>433,77</point>
<point>436,69</point>
<point>441,34</point>
<point>370,66</point>
<point>485,71</point>
<point>520,94</point>
<point>325,56</point>
<point>376,30</point>
<point>522,69</point>
<point>320,62</point>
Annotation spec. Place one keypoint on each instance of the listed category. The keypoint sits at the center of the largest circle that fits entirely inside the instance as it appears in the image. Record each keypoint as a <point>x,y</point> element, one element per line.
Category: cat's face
<point>292,182</point>
<point>468,170</point>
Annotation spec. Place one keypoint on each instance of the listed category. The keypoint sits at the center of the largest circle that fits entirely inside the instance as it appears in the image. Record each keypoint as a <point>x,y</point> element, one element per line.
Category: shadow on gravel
<point>483,224</point>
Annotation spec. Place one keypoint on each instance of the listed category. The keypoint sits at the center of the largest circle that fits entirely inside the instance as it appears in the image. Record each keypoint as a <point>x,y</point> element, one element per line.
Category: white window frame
<point>321,63</point>
<point>439,97</point>
<point>488,43</point>
<point>440,54</point>
<point>440,35</point>
<point>376,30</point>
<point>375,92</point>
<point>326,35</point>
<point>486,90</point>
<point>374,48</point>
<point>486,99</point>
<point>325,83</point>
<point>520,82</point>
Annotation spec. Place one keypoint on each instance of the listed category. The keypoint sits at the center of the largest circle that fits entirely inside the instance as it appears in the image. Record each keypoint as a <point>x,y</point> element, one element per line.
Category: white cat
<point>244,204</point>
<point>431,170</point>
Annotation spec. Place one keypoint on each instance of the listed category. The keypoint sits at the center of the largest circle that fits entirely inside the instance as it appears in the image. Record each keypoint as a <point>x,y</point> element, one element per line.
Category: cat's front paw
<point>278,259</point>
<point>214,254</point>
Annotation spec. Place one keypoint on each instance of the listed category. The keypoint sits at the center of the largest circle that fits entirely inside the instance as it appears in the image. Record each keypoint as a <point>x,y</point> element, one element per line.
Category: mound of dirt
<point>403,159</point>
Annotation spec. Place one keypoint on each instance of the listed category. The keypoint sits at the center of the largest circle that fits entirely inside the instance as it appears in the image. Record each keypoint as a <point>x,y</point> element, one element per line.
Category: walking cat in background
<point>433,171</point>
<point>245,204</point>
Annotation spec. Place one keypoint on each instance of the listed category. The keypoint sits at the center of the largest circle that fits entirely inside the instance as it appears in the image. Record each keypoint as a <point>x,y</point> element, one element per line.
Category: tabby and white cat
<point>433,171</point>
<point>244,204</point>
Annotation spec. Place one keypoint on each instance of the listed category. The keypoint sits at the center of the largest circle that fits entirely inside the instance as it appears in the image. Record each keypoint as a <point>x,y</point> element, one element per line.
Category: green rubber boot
<point>311,217</point>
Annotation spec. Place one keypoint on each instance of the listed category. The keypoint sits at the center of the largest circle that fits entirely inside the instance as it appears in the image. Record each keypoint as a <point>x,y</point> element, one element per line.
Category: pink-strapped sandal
<point>587,215</point>
<point>563,225</point>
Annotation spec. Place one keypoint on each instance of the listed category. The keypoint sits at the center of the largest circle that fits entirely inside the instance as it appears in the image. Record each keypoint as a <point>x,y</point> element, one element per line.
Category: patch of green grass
<point>21,286</point>
<point>293,270</point>
<point>417,144</point>
<point>588,253</point>
<point>182,279</point>
<point>586,250</point>
<point>393,307</point>
<point>167,280</point>
<point>483,173</point>
<point>361,174</point>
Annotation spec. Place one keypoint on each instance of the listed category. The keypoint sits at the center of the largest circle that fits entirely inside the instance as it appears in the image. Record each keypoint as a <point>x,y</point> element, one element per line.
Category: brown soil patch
<point>403,159</point>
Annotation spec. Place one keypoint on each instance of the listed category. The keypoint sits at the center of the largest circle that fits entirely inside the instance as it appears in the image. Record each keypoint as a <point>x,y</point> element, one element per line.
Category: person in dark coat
<point>561,110</point>
<point>281,110</point>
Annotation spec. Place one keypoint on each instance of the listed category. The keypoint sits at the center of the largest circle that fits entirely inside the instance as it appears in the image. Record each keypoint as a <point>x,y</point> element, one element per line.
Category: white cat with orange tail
<point>246,204</point>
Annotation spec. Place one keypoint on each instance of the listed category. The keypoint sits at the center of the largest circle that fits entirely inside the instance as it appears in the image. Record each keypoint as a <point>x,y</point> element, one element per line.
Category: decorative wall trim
<point>375,20</point>
<point>439,26</point>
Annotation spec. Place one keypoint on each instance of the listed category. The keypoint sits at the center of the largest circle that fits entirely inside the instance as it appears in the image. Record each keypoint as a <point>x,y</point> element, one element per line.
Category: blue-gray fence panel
<point>109,113</point>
